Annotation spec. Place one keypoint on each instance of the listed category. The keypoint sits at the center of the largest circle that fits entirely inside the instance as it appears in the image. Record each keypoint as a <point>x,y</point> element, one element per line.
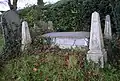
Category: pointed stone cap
<point>24,24</point>
<point>107,18</point>
<point>95,17</point>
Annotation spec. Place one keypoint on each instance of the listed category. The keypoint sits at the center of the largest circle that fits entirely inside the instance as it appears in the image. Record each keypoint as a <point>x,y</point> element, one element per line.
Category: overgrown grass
<point>56,66</point>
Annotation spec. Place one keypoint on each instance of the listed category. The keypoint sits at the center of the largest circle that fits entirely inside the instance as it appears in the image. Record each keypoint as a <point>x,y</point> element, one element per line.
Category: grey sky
<point>22,3</point>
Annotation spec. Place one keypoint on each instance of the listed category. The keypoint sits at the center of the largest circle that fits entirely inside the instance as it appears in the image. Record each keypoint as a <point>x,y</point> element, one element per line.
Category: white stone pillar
<point>26,38</point>
<point>107,30</point>
<point>96,51</point>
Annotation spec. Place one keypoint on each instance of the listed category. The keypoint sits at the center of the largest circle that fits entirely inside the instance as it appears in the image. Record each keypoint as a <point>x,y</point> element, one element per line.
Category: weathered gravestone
<point>107,30</point>
<point>50,26</point>
<point>43,25</point>
<point>12,33</point>
<point>26,38</point>
<point>96,51</point>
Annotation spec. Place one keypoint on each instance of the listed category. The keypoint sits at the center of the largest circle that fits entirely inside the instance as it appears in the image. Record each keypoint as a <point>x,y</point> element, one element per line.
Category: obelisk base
<point>97,56</point>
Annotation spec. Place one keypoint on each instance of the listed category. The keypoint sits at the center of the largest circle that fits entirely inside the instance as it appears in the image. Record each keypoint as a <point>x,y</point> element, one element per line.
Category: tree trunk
<point>40,2</point>
<point>14,6</point>
<point>9,3</point>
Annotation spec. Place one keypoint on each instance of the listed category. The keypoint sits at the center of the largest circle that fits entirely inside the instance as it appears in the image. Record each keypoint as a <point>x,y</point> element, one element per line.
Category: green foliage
<point>1,42</point>
<point>73,15</point>
<point>31,14</point>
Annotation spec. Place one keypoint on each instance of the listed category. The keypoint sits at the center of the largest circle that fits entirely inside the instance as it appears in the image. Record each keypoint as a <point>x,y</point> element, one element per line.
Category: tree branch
<point>15,4</point>
<point>9,3</point>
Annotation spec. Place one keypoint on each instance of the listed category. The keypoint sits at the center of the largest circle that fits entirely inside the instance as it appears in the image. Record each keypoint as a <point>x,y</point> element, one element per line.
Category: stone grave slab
<point>69,39</point>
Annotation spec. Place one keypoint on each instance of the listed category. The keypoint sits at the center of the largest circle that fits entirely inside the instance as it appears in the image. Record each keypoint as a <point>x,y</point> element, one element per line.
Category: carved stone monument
<point>11,27</point>
<point>96,51</point>
<point>107,30</point>
<point>26,38</point>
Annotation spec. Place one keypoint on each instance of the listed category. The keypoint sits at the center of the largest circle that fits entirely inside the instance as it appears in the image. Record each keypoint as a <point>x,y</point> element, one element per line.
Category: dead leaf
<point>35,69</point>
